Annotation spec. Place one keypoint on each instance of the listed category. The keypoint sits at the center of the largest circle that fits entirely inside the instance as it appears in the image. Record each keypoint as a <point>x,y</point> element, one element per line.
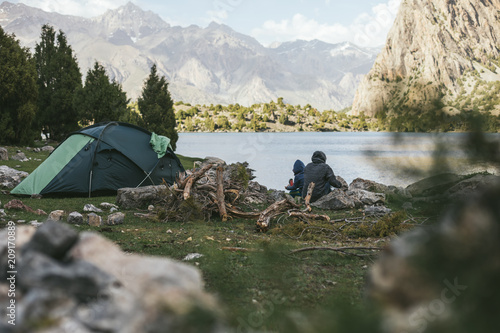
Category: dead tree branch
<point>308,216</point>
<point>340,249</point>
<point>220,193</point>
<point>307,199</point>
<point>273,210</point>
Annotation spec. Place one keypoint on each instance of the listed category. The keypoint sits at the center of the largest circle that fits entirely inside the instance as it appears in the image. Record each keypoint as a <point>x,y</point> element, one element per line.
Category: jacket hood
<point>298,167</point>
<point>318,157</point>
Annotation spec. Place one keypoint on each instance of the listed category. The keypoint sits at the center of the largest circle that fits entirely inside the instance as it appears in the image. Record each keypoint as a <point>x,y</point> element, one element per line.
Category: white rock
<point>75,218</point>
<point>116,218</point>
<point>192,256</point>
<point>107,205</point>
<point>91,208</point>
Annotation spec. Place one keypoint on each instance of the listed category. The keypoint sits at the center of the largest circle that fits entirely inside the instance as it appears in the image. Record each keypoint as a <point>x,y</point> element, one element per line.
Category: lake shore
<point>397,159</point>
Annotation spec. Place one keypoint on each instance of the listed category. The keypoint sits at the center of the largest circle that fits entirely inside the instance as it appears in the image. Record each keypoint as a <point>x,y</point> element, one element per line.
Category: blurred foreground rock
<point>445,278</point>
<point>4,154</point>
<point>70,282</point>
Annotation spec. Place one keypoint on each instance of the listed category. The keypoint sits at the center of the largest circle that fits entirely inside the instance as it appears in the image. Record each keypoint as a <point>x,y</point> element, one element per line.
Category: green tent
<point>103,157</point>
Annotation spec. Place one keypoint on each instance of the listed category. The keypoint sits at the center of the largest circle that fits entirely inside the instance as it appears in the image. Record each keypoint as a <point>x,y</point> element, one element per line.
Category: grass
<point>265,288</point>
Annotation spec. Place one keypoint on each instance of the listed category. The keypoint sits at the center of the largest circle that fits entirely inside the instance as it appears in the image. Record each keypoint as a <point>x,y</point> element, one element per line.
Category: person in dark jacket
<point>321,174</point>
<point>298,181</point>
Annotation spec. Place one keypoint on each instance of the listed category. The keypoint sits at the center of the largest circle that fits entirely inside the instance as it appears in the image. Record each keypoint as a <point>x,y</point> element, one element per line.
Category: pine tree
<point>101,99</point>
<point>58,78</point>
<point>157,107</point>
<point>18,92</point>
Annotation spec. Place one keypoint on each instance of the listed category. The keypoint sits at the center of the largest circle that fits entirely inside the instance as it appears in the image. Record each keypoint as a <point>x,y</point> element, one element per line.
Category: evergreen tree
<point>18,91</point>
<point>132,115</point>
<point>157,108</point>
<point>58,78</point>
<point>100,99</point>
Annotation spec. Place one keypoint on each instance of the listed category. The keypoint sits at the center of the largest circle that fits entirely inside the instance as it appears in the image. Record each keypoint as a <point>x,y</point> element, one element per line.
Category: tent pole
<point>90,183</point>
<point>148,175</point>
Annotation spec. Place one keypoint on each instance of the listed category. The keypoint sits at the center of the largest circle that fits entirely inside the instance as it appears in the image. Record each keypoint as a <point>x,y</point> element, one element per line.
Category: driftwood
<point>240,249</point>
<point>187,188</point>
<point>147,216</point>
<point>220,193</point>
<point>307,199</point>
<point>340,249</point>
<point>308,216</point>
<point>234,191</point>
<point>238,213</point>
<point>274,210</point>
<point>187,183</point>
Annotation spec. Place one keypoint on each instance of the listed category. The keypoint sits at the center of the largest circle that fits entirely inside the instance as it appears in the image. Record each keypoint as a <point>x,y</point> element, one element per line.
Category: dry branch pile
<point>226,190</point>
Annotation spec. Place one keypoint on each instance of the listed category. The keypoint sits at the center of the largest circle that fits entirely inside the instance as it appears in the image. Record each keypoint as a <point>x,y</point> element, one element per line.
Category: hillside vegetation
<point>280,117</point>
<point>272,117</point>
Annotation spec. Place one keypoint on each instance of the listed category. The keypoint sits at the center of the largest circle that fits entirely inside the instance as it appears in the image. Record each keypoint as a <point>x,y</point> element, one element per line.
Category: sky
<point>362,22</point>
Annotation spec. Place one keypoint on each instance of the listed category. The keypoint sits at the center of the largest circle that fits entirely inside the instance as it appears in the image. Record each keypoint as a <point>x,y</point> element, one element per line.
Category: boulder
<point>256,187</point>
<point>342,181</point>
<point>398,191</point>
<point>107,205</point>
<point>140,197</point>
<point>159,293</point>
<point>376,210</point>
<point>336,200</point>
<point>79,279</point>
<point>435,185</point>
<point>4,154</point>
<point>444,270</point>
<point>407,206</point>
<point>56,215</point>
<point>367,185</point>
<point>50,149</point>
<point>136,272</point>
<point>21,157</point>
<point>366,197</point>
<point>115,218</point>
<point>10,177</point>
<point>52,239</point>
<point>276,195</point>
<point>18,204</point>
<point>94,220</point>
<point>213,160</point>
<point>471,187</point>
<point>23,236</point>
<point>75,218</point>
<point>91,208</point>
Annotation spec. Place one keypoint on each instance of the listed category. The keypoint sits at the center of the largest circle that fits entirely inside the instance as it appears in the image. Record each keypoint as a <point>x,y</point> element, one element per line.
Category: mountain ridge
<point>202,65</point>
<point>438,56</point>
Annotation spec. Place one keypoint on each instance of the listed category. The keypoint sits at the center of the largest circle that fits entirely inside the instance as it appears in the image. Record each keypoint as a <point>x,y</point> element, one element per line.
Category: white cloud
<point>85,8</point>
<point>220,9</point>
<point>368,29</point>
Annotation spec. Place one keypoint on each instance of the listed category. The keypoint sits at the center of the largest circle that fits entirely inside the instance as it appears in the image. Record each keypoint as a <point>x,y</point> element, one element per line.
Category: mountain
<point>438,55</point>
<point>202,65</point>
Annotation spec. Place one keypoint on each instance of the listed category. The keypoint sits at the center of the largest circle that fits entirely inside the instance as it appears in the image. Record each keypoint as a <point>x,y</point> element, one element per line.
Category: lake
<point>377,156</point>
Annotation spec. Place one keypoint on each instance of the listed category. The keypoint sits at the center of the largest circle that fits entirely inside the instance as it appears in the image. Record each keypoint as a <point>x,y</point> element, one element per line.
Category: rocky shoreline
<point>83,282</point>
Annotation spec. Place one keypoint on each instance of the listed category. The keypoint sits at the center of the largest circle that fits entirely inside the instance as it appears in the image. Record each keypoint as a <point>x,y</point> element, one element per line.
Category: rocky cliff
<point>438,55</point>
<point>203,65</point>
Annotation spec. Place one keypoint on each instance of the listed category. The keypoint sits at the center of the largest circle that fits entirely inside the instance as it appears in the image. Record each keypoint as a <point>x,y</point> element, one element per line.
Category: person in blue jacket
<point>295,187</point>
